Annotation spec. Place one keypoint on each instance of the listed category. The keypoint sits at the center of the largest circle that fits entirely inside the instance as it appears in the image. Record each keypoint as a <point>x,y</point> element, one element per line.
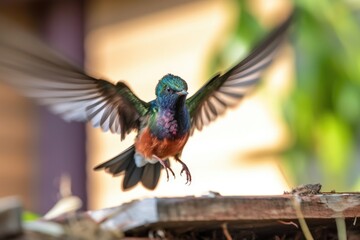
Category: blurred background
<point>300,126</point>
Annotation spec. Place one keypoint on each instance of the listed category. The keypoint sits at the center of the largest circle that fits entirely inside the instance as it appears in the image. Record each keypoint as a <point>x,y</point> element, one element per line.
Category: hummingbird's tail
<point>124,162</point>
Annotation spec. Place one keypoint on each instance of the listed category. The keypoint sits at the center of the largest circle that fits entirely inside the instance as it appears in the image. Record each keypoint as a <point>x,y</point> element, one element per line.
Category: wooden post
<point>62,144</point>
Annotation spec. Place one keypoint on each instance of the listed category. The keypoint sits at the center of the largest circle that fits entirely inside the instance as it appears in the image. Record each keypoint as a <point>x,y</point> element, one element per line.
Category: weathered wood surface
<point>243,211</point>
<point>219,217</point>
<point>10,217</point>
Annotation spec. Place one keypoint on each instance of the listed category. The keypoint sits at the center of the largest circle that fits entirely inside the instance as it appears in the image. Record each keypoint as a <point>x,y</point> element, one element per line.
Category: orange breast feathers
<point>148,145</point>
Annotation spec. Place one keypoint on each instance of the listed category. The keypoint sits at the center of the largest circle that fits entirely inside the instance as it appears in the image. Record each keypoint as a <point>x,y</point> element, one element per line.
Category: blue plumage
<point>170,117</point>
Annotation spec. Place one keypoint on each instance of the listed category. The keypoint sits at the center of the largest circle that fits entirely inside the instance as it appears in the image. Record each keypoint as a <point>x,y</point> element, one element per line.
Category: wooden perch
<point>253,210</point>
<point>234,217</point>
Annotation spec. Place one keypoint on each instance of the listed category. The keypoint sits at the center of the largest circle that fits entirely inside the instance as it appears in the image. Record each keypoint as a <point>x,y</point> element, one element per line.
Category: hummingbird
<point>163,125</point>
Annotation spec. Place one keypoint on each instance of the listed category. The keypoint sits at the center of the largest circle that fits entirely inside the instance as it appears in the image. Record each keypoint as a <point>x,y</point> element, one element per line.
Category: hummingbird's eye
<point>169,90</point>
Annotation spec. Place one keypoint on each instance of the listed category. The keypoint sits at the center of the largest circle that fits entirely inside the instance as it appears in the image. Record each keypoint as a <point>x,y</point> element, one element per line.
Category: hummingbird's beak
<point>182,92</point>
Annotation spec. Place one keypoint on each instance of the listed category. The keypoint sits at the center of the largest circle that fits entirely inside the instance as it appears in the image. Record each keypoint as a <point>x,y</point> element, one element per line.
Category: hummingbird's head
<point>170,90</point>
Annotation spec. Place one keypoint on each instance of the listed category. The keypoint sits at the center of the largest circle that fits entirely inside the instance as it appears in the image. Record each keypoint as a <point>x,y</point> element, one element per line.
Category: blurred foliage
<point>29,216</point>
<point>323,110</point>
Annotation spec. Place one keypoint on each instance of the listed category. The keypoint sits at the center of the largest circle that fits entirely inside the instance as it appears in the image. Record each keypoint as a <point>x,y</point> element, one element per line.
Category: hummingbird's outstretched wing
<point>226,90</point>
<point>42,74</point>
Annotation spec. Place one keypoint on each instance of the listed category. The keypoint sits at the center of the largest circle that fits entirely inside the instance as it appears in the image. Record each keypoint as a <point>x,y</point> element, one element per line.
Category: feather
<point>40,73</point>
<point>227,90</point>
<point>151,175</point>
<point>133,175</point>
<point>125,163</point>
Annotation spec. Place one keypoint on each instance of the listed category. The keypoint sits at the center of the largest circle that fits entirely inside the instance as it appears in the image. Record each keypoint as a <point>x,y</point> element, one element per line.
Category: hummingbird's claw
<point>188,174</point>
<point>167,167</point>
<point>186,170</point>
<point>172,172</point>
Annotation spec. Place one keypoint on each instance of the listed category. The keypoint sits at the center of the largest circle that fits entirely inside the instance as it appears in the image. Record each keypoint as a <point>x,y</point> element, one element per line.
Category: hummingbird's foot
<point>166,166</point>
<point>184,169</point>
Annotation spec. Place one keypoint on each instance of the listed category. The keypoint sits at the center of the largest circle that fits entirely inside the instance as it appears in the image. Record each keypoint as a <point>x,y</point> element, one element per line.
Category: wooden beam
<point>170,213</point>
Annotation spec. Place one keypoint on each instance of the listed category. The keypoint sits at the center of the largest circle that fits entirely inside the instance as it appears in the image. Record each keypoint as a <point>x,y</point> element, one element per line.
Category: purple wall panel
<point>62,144</point>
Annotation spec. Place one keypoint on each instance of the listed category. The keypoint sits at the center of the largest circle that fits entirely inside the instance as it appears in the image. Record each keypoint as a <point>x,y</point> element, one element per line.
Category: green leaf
<point>29,216</point>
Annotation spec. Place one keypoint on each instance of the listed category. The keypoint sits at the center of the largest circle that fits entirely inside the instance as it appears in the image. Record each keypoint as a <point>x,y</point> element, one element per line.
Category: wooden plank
<point>10,217</point>
<point>130,215</point>
<point>249,210</point>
